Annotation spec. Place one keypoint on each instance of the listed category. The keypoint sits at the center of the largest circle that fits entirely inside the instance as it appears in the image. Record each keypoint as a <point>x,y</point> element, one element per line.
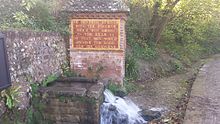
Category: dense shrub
<point>187,30</point>
<point>33,14</point>
<point>131,67</point>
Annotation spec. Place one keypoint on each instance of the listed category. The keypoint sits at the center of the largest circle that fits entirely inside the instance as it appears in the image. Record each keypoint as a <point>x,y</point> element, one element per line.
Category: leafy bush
<point>131,68</point>
<point>128,87</point>
<point>10,96</point>
<point>141,50</point>
<point>49,80</point>
<point>113,87</point>
<point>190,32</point>
<point>36,15</point>
<point>189,37</point>
<point>183,53</point>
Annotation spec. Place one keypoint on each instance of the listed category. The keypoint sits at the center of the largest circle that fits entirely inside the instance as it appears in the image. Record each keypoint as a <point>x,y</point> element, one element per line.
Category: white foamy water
<point>116,110</point>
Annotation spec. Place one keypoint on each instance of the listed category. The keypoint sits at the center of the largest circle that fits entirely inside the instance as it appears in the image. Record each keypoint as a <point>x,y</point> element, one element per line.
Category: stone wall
<point>32,57</point>
<point>112,61</point>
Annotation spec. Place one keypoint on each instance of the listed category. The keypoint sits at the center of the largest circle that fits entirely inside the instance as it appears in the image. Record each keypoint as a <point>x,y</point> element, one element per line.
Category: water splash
<point>116,110</point>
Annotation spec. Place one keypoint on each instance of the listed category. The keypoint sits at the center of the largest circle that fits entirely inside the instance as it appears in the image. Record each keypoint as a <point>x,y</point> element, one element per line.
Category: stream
<point>117,110</point>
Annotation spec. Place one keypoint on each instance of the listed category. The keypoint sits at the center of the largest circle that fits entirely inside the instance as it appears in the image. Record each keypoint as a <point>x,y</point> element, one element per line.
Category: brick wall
<point>112,61</point>
<point>33,56</point>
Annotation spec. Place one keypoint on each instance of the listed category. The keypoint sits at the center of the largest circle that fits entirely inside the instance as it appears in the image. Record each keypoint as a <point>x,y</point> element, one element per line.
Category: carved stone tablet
<point>96,34</point>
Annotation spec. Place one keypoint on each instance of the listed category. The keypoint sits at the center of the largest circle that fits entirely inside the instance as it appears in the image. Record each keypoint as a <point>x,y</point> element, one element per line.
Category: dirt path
<point>169,93</point>
<point>204,102</point>
<point>162,93</point>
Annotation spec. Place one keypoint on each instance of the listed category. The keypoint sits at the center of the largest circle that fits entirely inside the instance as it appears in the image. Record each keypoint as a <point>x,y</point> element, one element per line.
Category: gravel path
<point>204,102</point>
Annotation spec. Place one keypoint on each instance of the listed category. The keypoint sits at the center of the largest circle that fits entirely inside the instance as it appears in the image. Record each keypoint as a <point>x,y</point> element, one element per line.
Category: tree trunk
<point>158,22</point>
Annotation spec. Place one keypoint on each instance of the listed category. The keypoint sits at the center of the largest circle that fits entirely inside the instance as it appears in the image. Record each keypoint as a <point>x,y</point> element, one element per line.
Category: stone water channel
<point>83,101</point>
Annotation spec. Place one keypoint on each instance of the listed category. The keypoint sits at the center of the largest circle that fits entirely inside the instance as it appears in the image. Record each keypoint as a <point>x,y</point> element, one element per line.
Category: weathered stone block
<point>70,105</point>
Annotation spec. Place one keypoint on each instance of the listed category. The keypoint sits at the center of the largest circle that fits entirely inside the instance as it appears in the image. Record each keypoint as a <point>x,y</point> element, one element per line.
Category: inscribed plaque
<point>96,34</point>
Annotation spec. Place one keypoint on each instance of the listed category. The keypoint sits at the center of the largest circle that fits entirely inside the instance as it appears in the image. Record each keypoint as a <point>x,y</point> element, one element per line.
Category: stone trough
<point>72,101</point>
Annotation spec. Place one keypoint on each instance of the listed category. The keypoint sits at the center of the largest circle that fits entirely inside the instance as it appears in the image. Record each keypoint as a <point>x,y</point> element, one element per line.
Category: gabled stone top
<point>96,6</point>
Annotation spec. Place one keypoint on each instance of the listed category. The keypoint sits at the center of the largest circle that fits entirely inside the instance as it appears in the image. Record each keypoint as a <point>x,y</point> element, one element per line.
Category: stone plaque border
<point>101,49</point>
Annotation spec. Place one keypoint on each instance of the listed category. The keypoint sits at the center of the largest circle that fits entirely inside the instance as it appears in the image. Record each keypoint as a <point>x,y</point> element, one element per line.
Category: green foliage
<point>177,66</point>
<point>183,53</point>
<point>150,52</point>
<point>10,96</point>
<point>28,4</point>
<point>189,29</point>
<point>49,80</point>
<point>138,26</point>
<point>66,72</point>
<point>142,50</point>
<point>140,46</point>
<point>30,116</point>
<point>113,87</point>
<point>130,86</point>
<point>41,17</point>
<point>7,9</point>
<point>189,39</point>
<point>211,33</point>
<point>34,116</point>
<point>131,67</point>
<point>34,113</point>
<point>15,116</point>
<point>36,15</point>
<point>149,18</point>
<point>138,21</point>
<point>21,18</point>
<point>34,89</point>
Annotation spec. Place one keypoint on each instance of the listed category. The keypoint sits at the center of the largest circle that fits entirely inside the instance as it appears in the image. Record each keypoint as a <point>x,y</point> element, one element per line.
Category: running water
<point>116,110</point>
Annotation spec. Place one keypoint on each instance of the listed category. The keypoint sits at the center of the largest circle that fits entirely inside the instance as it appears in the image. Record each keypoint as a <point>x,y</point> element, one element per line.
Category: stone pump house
<point>98,38</point>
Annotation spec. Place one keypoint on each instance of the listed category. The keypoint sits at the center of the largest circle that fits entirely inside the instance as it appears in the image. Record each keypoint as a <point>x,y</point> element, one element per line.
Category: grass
<point>128,86</point>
